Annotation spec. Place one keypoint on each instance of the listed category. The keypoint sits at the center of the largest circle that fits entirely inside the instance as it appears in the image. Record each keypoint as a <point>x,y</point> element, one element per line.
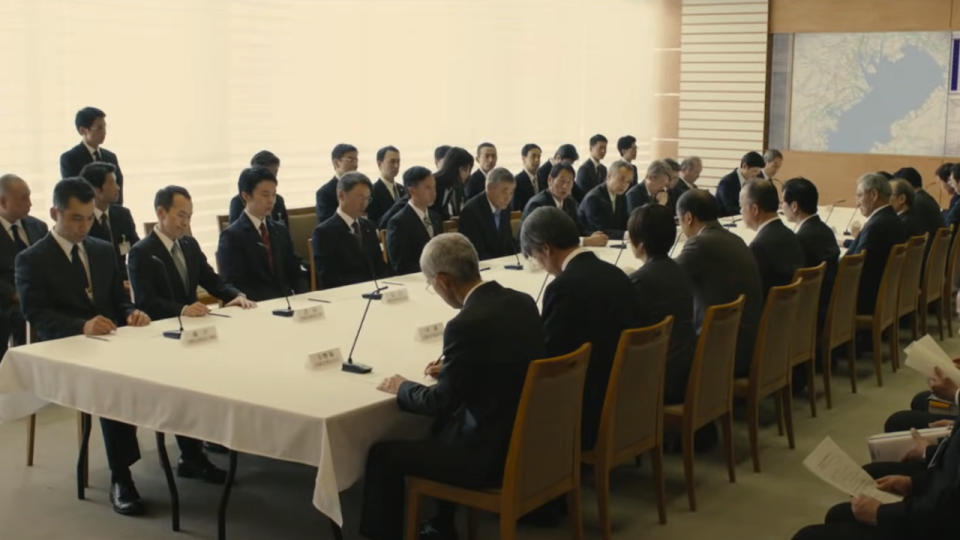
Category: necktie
<point>181,264</point>
<point>78,268</point>
<point>96,155</point>
<point>356,231</point>
<point>18,242</point>
<point>265,239</point>
<point>429,225</point>
<point>496,220</point>
<point>105,223</point>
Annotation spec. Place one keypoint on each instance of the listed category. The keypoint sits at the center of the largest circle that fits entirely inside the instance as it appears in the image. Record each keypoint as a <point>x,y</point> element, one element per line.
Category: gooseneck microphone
<point>350,366</point>
<point>518,266</point>
<point>285,312</point>
<point>172,334</point>
<point>623,247</point>
<point>375,295</point>
<point>833,205</point>
<point>846,229</point>
<point>542,286</point>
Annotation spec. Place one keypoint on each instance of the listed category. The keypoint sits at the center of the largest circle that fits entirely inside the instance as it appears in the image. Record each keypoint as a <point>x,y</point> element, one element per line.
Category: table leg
<point>225,498</point>
<point>337,531</point>
<point>85,422</point>
<point>171,483</point>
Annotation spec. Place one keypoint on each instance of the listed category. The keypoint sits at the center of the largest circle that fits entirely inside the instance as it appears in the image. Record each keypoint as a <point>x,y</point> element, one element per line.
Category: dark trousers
<point>123,450</point>
<point>190,449</point>
<point>880,469</point>
<point>389,463</point>
<point>11,326</point>
<point>916,417</point>
<point>841,525</point>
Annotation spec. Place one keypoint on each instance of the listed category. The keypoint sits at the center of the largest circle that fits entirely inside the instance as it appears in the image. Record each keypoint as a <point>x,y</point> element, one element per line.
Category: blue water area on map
<point>895,89</point>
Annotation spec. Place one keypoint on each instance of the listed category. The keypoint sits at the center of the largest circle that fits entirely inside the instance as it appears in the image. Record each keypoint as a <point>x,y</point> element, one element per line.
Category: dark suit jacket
<point>952,214</point>
<point>820,245</point>
<point>597,213</point>
<point>878,235</point>
<point>243,260</point>
<point>926,212</point>
<point>122,228</point>
<point>638,196</point>
<point>450,198</point>
<point>590,301</point>
<point>35,230</point>
<point>406,237</point>
<point>392,211</point>
<point>678,190</point>
<point>157,287</point>
<point>545,198</point>
<point>487,347</point>
<point>721,268</point>
<point>341,259</point>
<point>327,202</point>
<point>477,224</point>
<point>543,174</point>
<point>728,194</point>
<point>588,177</point>
<point>381,201</point>
<point>778,254</point>
<point>663,289</point>
<point>523,191</point>
<point>75,158</point>
<point>52,295</point>
<point>279,210</point>
<point>476,184</point>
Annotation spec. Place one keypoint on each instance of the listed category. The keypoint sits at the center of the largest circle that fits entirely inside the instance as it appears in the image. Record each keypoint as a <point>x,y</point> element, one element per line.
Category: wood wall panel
<point>789,16</point>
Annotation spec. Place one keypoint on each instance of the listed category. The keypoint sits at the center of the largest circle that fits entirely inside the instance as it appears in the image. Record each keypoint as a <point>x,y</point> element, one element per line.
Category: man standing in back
<point>486,161</point>
<point>592,172</point>
<point>91,124</point>
<point>344,158</point>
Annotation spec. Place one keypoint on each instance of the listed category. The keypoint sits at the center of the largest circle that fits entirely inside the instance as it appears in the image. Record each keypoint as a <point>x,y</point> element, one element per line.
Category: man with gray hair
<point>604,208</point>
<point>880,232</point>
<point>346,248</point>
<point>487,347</point>
<point>773,160</point>
<point>690,169</point>
<point>21,230</point>
<point>485,219</point>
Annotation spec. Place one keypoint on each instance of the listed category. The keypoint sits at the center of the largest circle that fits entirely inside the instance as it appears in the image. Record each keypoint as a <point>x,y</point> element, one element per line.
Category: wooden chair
<point>839,326</point>
<point>543,459</point>
<point>515,222</point>
<point>148,227</point>
<point>770,366</point>
<point>884,317</point>
<point>302,222</point>
<point>631,421</point>
<point>950,279</point>
<point>312,265</point>
<point>931,286</point>
<point>223,221</point>
<point>803,343</point>
<point>382,235</point>
<point>710,387</point>
<point>451,225</point>
<point>908,295</point>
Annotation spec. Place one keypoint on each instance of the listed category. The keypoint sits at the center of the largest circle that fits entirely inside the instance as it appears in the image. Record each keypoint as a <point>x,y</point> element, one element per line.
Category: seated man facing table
<point>604,208</point>
<point>415,223</point>
<point>165,269</point>
<point>268,159</point>
<point>558,194</point>
<point>487,347</point>
<point>69,284</point>
<point>485,219</point>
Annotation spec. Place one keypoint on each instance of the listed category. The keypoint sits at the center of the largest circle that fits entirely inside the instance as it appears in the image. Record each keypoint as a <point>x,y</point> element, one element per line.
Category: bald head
<point>14,197</point>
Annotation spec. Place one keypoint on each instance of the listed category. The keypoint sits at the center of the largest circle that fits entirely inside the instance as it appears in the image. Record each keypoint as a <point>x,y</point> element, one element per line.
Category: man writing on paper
<point>486,350</point>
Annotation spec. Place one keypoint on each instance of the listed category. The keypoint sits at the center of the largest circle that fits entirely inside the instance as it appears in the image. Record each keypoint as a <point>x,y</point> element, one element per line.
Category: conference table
<point>252,388</point>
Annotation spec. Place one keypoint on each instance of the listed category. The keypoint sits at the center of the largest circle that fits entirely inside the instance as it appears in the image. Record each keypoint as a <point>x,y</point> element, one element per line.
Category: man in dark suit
<point>386,190</point>
<point>344,157</point>
<point>415,224</point>
<point>903,200</point>
<point>69,284</point>
<point>775,247</point>
<point>255,254</point>
<point>653,188</point>
<point>605,207</point>
<point>663,289</point>
<point>486,161</point>
<point>22,231</point>
<point>487,347</point>
<point>268,159</point>
<point>557,195</point>
<point>720,268</point>
<point>943,176</point>
<point>111,222</point>
<point>485,219</point>
<point>566,154</point>
<point>881,231</point>
<point>589,300</point>
<point>91,124</point>
<point>592,173</point>
<point>346,248</point>
<point>728,190</point>
<point>772,162</point>
<point>627,146</point>
<point>690,169</point>
<point>925,208</point>
<point>526,180</point>
<point>165,269</point>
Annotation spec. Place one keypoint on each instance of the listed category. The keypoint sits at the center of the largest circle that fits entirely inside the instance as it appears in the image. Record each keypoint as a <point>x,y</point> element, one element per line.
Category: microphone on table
<point>832,206</point>
<point>623,247</point>
<point>350,366</point>
<point>733,222</point>
<point>846,229</point>
<point>375,295</point>
<point>172,334</point>
<point>516,253</point>
<point>285,312</point>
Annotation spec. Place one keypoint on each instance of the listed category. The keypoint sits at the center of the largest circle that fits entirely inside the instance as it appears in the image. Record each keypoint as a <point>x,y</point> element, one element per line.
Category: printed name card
<point>309,312</point>
<point>395,295</point>
<point>325,358</point>
<point>429,331</point>
<point>199,334</point>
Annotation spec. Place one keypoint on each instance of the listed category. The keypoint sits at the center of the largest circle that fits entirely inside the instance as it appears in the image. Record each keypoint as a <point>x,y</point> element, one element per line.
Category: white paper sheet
<point>832,465</point>
<point>893,446</point>
<point>924,354</point>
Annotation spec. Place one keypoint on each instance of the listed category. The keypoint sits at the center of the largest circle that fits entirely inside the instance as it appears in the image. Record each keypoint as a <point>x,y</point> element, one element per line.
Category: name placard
<point>324,358</point>
<point>395,295</point>
<point>429,331</point>
<point>309,312</point>
<point>199,334</point>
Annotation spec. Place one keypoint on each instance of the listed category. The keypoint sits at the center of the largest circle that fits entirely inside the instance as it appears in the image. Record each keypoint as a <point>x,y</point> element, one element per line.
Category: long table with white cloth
<point>252,388</point>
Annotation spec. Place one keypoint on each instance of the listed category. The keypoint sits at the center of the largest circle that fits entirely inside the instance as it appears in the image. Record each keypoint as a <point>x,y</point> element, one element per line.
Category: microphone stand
<point>623,247</point>
<point>832,207</point>
<point>284,312</point>
<point>350,366</point>
<point>542,287</point>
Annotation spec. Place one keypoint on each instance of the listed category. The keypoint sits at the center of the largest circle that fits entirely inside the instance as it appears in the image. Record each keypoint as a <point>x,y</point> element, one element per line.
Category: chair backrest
<point>451,225</point>
<point>312,263</point>
<point>515,222</point>
<point>148,227</point>
<point>382,235</point>
<point>223,221</point>
<point>803,342</point>
<point>953,260</point>
<point>302,222</point>
<point>842,311</point>
<point>771,352</point>
<point>710,384</point>
<point>909,291</point>
<point>885,309</point>
<point>632,416</point>
<point>935,271</point>
<point>544,455</point>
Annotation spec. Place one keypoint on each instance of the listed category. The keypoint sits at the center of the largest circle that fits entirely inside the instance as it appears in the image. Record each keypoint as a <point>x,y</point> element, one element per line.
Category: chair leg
<point>688,467</point>
<point>915,324</point>
<point>895,347</point>
<point>852,357</point>
<point>878,355</point>
<point>508,528</point>
<point>779,408</point>
<point>922,315</point>
<point>787,399</point>
<point>413,515</point>
<point>826,357</point>
<point>471,524</point>
<point>659,484</point>
<point>753,423</point>
<point>812,386</point>
<point>31,438</point>
<point>726,423</point>
<point>940,319</point>
<point>948,312</point>
<point>576,515</point>
<point>601,476</point>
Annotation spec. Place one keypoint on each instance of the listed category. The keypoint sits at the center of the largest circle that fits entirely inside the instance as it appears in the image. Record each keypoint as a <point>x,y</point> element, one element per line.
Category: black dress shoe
<point>429,530</point>
<point>202,469</point>
<point>215,448</point>
<point>125,499</point>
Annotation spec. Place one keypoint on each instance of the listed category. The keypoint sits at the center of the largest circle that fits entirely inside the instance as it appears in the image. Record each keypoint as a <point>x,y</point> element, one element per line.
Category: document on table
<point>924,354</point>
<point>832,465</point>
